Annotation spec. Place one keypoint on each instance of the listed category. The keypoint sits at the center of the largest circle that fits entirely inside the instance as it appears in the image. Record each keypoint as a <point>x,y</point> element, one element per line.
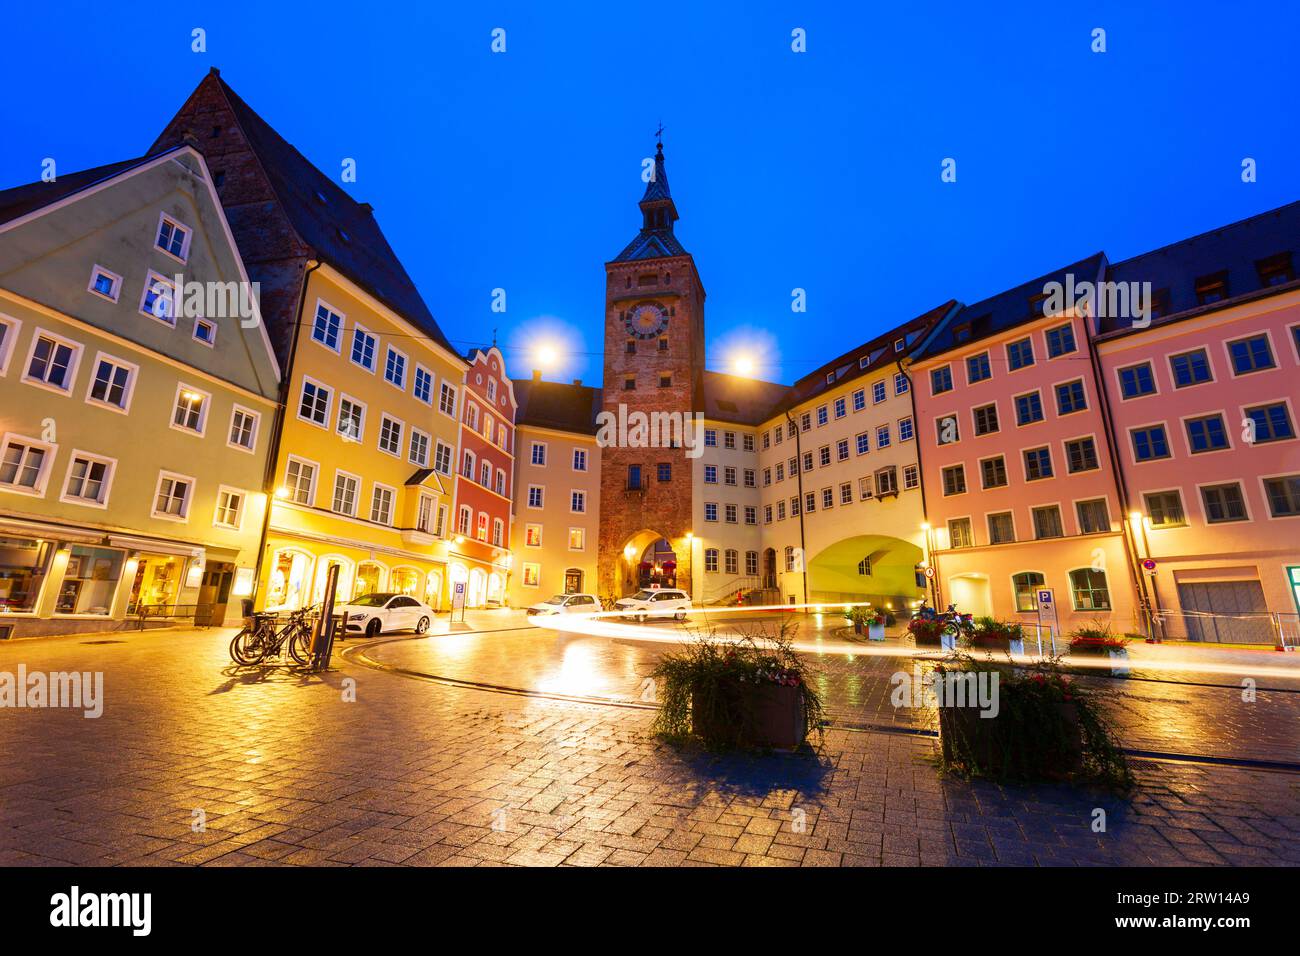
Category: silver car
<point>656,602</point>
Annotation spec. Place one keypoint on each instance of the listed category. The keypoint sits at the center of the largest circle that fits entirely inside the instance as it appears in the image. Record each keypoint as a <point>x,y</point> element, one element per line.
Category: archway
<point>878,569</point>
<point>477,590</point>
<point>287,582</point>
<point>648,559</point>
<point>972,594</point>
<point>323,566</point>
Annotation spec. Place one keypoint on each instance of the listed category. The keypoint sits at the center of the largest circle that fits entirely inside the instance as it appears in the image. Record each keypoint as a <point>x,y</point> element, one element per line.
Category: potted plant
<point>747,692</point>
<point>926,631</point>
<point>992,635</point>
<point>858,616</point>
<point>1027,723</point>
<point>876,619</point>
<point>1097,639</point>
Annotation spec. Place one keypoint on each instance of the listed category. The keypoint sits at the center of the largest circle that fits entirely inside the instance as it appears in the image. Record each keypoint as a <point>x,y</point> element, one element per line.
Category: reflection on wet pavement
<point>1151,712</point>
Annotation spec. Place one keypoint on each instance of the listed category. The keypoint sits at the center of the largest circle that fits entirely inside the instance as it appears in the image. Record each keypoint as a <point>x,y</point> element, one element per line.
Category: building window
<point>1137,380</point>
<point>946,430</point>
<point>993,472</point>
<point>532,575</point>
<point>173,498</point>
<point>729,440</point>
<point>986,419</point>
<point>159,299</point>
<point>751,563</point>
<point>911,477</point>
<point>842,450</point>
<point>1190,368</point>
<point>395,368</point>
<point>390,435</point>
<point>1150,443</point>
<point>577,539</point>
<point>846,493</point>
<point>940,380</point>
<point>447,400</point>
<point>1080,455</point>
<point>665,381</point>
<point>789,558</point>
<point>1002,528</point>
<point>877,392</point>
<point>578,502</point>
<point>205,331</point>
<point>532,536</point>
<point>824,455</point>
<point>1029,408</point>
<point>710,474</point>
<point>828,499</point>
<point>423,387</point>
<point>1271,423</point>
<point>1047,522</point>
<point>1093,515</point>
<point>579,459</point>
<point>900,383</point>
<point>882,436</point>
<point>315,403</point>
<point>538,454</point>
<point>327,327</point>
<point>905,429</point>
<point>105,283</point>
<point>886,482</point>
<point>173,238</point>
<point>498,532</point>
<point>1251,354</point>
<point>112,383</point>
<point>767,514</point>
<point>481,528</point>
<point>1089,591</point>
<point>1020,354</point>
<point>864,488</point>
<point>731,558</point>
<point>191,410</point>
<point>53,363</point>
<point>1165,509</point>
<point>749,473</point>
<point>442,458</point>
<point>1206,434</point>
<point>959,533</point>
<point>710,511</point>
<point>1026,585</point>
<point>298,478</point>
<point>1283,496</point>
<point>1070,398</point>
<point>1212,288</point>
<point>841,408</point>
<point>729,475</point>
<point>977,368</point>
<point>24,465</point>
<point>859,401</point>
<point>243,429</point>
<point>664,471</point>
<point>1223,503</point>
<point>363,348</point>
<point>1038,464</point>
<point>88,480</point>
<point>419,450</point>
<point>1060,341</point>
<point>710,559</point>
<point>345,494</point>
<point>863,443</point>
<point>710,438</point>
<point>954,480</point>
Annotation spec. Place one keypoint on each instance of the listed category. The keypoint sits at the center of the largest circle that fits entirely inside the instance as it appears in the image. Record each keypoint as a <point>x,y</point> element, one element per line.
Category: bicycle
<point>261,640</point>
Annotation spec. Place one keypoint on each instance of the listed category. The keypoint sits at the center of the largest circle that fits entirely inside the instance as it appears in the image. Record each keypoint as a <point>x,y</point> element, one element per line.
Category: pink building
<point>1020,486</point>
<point>1204,405</point>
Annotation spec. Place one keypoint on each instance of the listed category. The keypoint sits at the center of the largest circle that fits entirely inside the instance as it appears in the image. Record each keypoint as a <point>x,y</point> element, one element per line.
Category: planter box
<point>876,632</point>
<point>991,744</point>
<point>1118,662</point>
<point>948,641</point>
<point>772,715</point>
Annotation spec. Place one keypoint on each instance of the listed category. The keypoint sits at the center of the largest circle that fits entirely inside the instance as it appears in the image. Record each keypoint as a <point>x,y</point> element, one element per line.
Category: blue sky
<point>818,170</point>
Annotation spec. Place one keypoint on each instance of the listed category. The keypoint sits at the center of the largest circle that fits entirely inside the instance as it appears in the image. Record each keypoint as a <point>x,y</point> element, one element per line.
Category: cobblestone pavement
<point>283,770</point>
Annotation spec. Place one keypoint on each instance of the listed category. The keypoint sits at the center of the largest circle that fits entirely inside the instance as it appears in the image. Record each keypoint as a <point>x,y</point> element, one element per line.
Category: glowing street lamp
<point>743,364</point>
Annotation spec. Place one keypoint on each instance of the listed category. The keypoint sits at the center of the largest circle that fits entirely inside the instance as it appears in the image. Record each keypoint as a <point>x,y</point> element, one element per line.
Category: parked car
<point>566,604</point>
<point>661,602</point>
<point>378,613</point>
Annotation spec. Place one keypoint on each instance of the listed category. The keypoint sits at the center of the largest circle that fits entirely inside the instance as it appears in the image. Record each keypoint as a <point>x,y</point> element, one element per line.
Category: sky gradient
<point>818,170</point>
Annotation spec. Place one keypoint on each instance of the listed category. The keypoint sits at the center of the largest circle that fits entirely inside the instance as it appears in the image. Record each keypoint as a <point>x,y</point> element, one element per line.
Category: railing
<point>729,591</point>
<point>199,614</point>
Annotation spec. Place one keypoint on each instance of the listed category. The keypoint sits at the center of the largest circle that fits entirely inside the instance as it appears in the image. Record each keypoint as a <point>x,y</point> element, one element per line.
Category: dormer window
<point>205,331</point>
<point>961,333</point>
<point>1037,303</point>
<point>105,283</point>
<point>899,345</point>
<point>1275,270</point>
<point>1212,288</point>
<point>173,238</point>
<point>1159,303</point>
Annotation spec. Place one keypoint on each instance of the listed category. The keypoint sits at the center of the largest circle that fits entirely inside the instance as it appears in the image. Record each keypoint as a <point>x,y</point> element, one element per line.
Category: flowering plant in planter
<point>859,616</point>
<point>1096,639</point>
<point>925,631</point>
<point>1044,726</point>
<point>750,690</point>
<point>993,635</point>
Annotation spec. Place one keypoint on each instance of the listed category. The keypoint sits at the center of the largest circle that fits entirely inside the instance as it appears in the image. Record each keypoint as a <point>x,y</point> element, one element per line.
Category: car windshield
<point>372,600</point>
<point>644,595</point>
<point>558,599</point>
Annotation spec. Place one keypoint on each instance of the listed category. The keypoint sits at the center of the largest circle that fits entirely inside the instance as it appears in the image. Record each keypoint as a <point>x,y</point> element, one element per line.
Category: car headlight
<point>356,617</point>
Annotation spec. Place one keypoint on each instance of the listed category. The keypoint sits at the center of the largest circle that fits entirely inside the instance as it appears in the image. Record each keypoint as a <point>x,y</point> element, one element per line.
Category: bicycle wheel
<point>247,647</point>
<point>300,645</point>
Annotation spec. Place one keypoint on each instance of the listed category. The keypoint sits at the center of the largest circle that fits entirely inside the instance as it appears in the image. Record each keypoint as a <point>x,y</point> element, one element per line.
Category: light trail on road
<point>608,624</point>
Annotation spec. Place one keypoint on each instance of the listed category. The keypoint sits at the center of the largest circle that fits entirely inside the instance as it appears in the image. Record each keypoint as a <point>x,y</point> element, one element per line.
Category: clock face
<point>647,320</point>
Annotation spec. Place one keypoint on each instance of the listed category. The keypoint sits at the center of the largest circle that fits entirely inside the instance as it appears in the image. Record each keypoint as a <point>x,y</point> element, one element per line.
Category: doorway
<point>572,581</point>
<point>214,595</point>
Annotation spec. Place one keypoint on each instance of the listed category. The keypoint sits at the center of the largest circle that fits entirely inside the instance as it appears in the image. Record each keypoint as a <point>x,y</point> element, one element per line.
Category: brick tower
<point>654,362</point>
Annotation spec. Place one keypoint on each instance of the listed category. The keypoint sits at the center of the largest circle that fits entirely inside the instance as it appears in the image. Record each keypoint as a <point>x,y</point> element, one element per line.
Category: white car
<point>566,604</point>
<point>375,614</point>
<point>659,602</point>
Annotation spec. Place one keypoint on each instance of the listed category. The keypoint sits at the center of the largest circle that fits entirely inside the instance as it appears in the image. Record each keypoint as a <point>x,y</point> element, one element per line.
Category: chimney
<point>577,381</point>
<point>537,375</point>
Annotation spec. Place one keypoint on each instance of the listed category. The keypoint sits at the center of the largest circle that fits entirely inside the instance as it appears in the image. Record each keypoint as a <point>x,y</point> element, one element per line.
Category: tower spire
<point>658,213</point>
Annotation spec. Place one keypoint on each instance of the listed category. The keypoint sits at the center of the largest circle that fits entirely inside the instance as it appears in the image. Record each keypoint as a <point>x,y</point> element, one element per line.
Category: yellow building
<point>364,471</point>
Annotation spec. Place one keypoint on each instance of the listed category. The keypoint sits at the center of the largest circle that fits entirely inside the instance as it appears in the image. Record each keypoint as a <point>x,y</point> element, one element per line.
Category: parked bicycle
<point>262,638</point>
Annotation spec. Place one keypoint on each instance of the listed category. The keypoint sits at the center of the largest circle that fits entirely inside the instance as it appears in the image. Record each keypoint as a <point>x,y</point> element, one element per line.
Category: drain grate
<point>103,642</point>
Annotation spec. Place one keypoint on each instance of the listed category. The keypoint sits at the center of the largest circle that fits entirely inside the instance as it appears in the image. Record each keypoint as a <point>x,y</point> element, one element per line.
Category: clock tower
<point>654,362</point>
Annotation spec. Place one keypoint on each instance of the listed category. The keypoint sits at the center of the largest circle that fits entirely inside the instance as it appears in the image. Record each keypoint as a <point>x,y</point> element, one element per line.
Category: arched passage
<point>875,568</point>
<point>646,559</point>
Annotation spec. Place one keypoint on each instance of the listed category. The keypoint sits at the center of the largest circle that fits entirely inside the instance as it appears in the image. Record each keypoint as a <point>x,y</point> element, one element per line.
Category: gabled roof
<point>338,229</point>
<point>21,200</point>
<point>740,400</point>
<point>651,245</point>
<point>1004,311</point>
<point>1235,249</point>
<point>557,405</point>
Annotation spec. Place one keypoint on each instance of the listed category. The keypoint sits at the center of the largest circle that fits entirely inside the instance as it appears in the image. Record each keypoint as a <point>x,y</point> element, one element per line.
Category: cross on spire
<point>659,134</point>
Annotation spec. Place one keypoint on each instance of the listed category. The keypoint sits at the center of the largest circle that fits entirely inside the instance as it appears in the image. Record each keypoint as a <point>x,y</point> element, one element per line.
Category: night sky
<point>818,170</point>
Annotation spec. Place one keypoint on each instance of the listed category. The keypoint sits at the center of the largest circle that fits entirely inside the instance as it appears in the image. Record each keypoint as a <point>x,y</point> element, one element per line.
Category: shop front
<point>296,572</point>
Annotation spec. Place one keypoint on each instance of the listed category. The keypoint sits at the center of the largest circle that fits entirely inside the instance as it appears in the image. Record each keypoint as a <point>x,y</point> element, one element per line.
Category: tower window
<point>649,278</point>
<point>631,346</point>
<point>663,343</point>
<point>665,381</point>
<point>629,383</point>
